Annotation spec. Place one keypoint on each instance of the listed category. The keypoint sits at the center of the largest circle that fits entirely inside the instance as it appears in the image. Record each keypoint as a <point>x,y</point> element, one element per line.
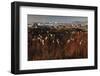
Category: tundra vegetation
<point>63,41</point>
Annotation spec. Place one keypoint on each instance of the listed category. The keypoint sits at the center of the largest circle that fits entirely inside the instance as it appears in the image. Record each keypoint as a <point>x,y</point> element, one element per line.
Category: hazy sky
<point>60,19</point>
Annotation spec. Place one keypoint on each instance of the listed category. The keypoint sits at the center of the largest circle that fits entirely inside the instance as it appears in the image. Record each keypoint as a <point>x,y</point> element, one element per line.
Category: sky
<point>59,19</point>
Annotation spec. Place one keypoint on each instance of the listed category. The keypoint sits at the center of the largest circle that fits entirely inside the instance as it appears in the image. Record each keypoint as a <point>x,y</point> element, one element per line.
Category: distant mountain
<point>80,22</point>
